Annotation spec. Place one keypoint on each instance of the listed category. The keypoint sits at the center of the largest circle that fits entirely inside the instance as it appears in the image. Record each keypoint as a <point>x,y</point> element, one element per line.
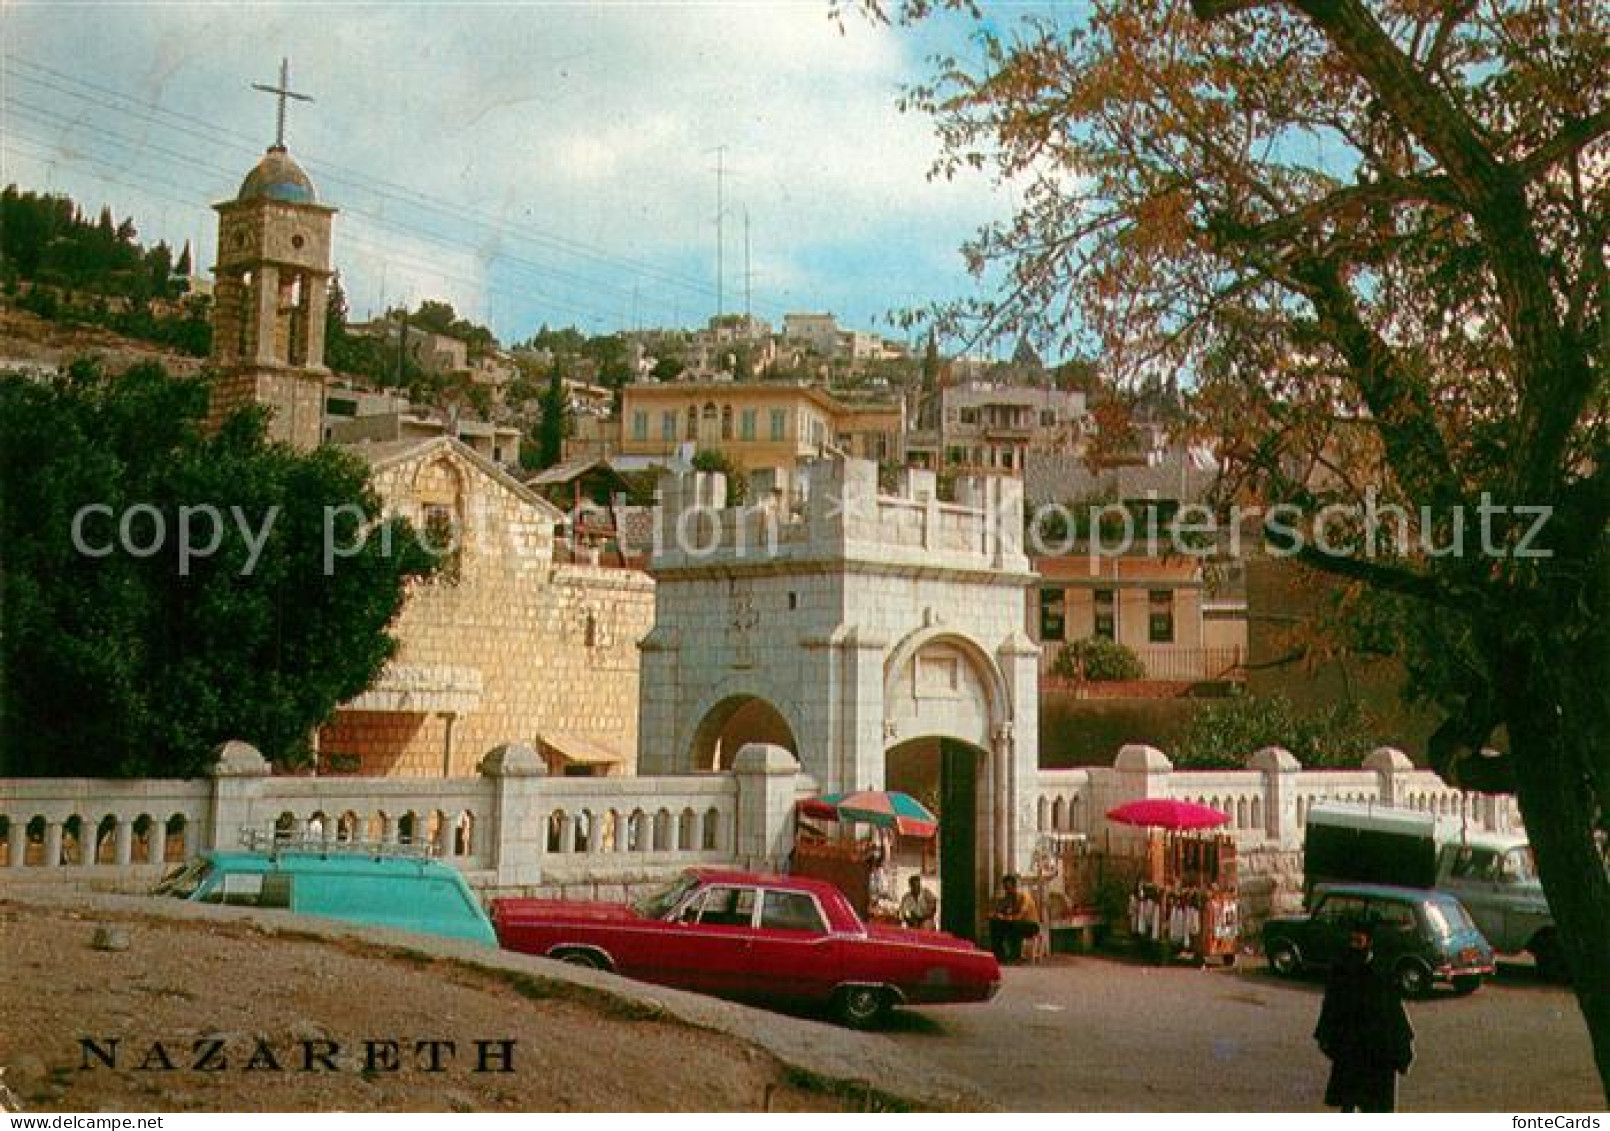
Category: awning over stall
<point>579,750</point>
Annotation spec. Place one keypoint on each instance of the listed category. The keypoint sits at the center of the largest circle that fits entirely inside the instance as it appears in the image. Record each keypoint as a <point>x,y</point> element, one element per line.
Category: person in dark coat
<point>1363,1029</point>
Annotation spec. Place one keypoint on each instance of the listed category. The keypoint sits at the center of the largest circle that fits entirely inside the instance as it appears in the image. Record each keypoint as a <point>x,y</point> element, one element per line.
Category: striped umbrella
<point>888,809</point>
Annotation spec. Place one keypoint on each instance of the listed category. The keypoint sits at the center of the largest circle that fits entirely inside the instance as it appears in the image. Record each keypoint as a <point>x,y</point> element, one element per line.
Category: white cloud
<point>591,123</point>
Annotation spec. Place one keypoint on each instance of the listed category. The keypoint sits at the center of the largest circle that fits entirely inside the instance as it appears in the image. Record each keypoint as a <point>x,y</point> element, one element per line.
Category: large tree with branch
<point>1381,222</point>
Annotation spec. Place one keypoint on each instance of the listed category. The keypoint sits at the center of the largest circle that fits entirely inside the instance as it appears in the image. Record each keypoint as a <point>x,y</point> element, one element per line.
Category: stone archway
<point>732,722</point>
<point>944,693</point>
<point>941,681</point>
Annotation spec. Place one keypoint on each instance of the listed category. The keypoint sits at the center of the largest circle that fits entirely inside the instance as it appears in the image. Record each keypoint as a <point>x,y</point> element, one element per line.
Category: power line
<point>155,114</point>
<point>48,149</point>
<point>46,117</point>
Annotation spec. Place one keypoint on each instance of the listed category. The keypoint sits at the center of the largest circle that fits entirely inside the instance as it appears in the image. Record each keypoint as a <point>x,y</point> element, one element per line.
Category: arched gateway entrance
<point>944,774</point>
<point>949,695</point>
<point>867,634</point>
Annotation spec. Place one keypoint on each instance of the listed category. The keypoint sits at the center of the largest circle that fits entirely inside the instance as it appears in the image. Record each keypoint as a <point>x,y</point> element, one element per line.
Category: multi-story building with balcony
<point>978,426</point>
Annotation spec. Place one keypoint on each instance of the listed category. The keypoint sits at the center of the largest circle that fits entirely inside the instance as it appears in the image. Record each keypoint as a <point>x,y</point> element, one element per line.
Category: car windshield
<point>1518,866</point>
<point>1448,919</point>
<point>658,904</point>
<point>182,882</point>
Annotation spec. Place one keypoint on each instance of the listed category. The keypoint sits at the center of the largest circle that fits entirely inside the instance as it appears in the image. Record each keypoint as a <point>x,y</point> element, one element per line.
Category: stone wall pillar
<point>1393,767</point>
<point>238,774</point>
<point>862,700</point>
<point>317,300</point>
<point>1139,772</point>
<point>518,836</point>
<point>658,702</point>
<point>1280,770</point>
<point>1019,660</point>
<point>767,787</point>
<point>266,288</point>
<point>53,833</point>
<point>17,843</point>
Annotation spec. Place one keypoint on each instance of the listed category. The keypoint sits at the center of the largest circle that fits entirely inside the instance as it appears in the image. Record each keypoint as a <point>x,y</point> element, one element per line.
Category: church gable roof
<point>384,454</point>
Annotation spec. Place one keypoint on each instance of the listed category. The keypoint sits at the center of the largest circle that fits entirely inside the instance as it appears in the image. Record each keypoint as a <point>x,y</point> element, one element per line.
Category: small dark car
<point>1422,937</point>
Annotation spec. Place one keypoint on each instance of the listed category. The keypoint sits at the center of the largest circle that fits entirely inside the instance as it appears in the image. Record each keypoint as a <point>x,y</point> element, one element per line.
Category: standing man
<point>1013,919</point>
<point>918,907</point>
<point>1363,1029</point>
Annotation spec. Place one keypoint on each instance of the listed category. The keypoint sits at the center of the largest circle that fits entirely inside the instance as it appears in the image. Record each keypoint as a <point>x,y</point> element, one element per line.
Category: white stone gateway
<point>842,624</point>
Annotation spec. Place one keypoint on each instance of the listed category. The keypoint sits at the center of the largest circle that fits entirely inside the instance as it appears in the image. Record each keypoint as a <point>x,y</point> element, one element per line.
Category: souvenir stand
<point>1067,878</point>
<point>1185,904</point>
<point>863,869</point>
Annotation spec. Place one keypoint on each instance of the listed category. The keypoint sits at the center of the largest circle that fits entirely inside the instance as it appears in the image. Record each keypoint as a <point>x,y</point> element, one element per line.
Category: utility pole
<point>748,276</point>
<point>721,211</point>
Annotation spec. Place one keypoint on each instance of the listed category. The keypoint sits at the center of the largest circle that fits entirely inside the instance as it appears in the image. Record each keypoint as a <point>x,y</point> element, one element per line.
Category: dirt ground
<point>183,982</point>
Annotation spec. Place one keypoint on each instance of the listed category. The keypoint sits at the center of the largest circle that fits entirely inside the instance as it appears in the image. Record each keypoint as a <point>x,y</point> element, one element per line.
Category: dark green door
<point>958,840</point>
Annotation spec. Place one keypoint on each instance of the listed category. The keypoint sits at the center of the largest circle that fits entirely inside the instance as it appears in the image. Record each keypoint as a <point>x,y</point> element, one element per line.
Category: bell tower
<point>272,292</point>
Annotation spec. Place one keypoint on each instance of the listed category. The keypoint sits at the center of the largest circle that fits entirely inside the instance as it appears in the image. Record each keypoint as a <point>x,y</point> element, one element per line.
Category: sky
<point>539,163</point>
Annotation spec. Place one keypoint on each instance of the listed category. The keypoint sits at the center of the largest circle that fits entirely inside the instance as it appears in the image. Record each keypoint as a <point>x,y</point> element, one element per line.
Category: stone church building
<point>516,640</point>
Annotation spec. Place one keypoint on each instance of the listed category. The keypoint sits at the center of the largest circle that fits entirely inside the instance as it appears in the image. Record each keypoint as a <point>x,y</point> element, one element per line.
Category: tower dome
<point>277,177</point>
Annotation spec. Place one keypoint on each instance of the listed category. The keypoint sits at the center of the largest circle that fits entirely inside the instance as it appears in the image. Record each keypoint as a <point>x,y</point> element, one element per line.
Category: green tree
<point>1224,733</point>
<point>667,368</point>
<point>930,364</point>
<point>122,665</point>
<point>554,424</point>
<point>1098,660</point>
<point>1383,213</point>
<point>713,459</point>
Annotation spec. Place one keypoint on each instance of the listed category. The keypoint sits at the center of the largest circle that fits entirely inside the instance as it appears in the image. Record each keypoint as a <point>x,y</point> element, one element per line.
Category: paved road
<point>1089,1033</point>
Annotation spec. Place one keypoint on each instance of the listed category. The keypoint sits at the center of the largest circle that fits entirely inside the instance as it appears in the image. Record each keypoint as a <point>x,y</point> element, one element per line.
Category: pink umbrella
<point>1165,813</point>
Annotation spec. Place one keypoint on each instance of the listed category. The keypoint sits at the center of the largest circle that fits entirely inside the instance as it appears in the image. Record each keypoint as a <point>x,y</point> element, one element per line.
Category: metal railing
<point>280,844</point>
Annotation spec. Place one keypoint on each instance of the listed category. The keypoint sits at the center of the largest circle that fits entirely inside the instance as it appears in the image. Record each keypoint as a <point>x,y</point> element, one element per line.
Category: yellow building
<point>1159,607</point>
<point>759,426</point>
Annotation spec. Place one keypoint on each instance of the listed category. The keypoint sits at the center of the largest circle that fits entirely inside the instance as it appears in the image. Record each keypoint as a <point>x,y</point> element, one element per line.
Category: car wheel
<point>1467,983</point>
<point>861,1007</point>
<point>584,958</point>
<point>1414,980</point>
<point>1284,960</point>
<point>1545,950</point>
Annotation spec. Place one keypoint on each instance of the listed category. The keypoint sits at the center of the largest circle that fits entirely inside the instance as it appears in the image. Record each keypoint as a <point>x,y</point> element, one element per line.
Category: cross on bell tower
<point>282,92</point>
<point>272,291</point>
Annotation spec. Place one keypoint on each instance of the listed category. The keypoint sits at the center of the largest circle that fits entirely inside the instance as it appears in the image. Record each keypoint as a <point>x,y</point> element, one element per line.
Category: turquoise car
<point>337,882</point>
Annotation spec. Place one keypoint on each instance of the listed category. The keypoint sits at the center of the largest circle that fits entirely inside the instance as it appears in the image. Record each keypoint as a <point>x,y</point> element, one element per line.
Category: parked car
<point>760,938</point>
<point>1421,936</point>
<point>1491,874</point>
<point>355,883</point>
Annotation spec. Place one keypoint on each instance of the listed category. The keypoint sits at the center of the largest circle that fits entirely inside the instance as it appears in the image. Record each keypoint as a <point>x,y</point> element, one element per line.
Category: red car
<point>768,939</point>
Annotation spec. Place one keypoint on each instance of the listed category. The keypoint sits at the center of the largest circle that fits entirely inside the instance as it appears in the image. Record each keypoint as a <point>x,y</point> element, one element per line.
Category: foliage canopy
<point>122,665</point>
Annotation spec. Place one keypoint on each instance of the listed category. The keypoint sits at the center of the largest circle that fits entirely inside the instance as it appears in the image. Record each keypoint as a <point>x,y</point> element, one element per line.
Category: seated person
<point>1013,919</point>
<point>918,907</point>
